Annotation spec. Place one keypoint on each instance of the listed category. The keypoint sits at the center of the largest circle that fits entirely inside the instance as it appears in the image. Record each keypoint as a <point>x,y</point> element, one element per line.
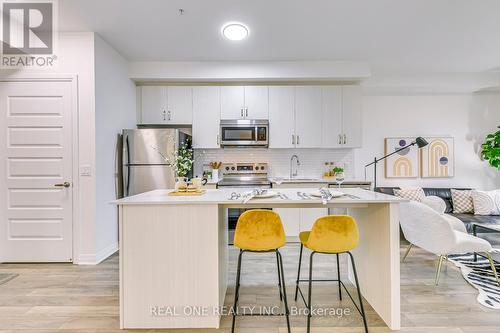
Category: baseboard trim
<point>95,259</point>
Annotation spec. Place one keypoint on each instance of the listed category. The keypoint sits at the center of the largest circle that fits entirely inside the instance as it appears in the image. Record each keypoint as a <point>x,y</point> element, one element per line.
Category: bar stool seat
<point>333,234</point>
<point>260,231</point>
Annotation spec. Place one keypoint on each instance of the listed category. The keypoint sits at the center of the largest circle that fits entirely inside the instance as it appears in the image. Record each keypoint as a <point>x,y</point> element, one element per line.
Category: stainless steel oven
<point>242,176</point>
<point>244,133</point>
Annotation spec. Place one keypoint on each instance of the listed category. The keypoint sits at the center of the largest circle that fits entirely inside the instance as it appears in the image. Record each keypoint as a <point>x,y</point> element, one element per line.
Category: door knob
<point>65,184</point>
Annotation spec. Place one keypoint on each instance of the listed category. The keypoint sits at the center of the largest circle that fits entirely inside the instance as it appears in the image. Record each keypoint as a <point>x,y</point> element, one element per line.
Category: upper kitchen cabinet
<point>166,105</point>
<point>308,117</point>
<point>282,117</point>
<point>352,104</point>
<point>332,117</point>
<point>206,117</point>
<point>248,102</point>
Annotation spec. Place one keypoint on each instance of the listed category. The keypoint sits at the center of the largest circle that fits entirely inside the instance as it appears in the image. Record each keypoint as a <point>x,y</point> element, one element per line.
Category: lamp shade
<point>421,142</point>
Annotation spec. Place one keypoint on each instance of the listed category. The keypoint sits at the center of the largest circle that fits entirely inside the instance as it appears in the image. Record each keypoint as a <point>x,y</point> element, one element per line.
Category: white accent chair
<point>428,229</point>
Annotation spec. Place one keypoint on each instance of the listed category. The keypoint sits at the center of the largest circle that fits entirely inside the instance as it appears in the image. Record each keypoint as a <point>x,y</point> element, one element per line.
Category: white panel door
<point>332,117</point>
<point>153,105</point>
<point>232,102</point>
<point>281,117</point>
<point>352,104</point>
<point>36,212</point>
<point>256,102</point>
<point>308,117</point>
<point>179,105</point>
<point>206,117</point>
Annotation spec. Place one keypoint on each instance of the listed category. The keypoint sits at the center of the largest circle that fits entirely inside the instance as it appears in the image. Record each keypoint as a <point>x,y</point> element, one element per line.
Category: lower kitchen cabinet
<point>296,220</point>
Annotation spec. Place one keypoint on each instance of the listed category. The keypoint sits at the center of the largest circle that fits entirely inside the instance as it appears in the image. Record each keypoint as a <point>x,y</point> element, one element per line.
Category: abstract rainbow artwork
<point>437,158</point>
<point>403,164</point>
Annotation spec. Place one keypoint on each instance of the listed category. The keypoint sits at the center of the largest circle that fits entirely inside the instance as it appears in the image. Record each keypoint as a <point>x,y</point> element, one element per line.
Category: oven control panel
<point>244,168</point>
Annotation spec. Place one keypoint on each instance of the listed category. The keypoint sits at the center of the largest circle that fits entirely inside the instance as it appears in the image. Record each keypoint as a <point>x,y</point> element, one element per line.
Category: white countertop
<point>330,180</point>
<point>222,196</point>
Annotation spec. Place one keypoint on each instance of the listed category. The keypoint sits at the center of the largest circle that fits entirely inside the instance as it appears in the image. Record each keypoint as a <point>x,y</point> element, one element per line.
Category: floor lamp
<point>420,142</point>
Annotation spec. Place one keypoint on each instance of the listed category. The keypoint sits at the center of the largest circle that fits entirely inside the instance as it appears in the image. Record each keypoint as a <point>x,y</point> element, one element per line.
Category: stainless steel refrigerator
<point>144,168</point>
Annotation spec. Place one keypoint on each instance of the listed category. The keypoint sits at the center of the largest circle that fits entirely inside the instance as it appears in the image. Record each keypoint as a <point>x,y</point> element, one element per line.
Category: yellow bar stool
<point>260,231</point>
<point>334,234</point>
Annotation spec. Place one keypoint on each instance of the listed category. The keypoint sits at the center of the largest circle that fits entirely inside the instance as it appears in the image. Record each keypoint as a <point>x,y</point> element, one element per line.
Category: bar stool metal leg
<point>279,275</point>
<point>338,277</point>
<point>298,273</point>
<point>237,290</point>
<point>359,292</point>
<point>287,310</point>
<point>309,294</point>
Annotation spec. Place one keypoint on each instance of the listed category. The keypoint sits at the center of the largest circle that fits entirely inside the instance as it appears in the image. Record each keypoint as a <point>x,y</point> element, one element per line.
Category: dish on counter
<point>266,194</point>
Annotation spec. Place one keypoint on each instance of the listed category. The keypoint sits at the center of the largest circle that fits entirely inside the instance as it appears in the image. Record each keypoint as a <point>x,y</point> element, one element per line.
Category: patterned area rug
<point>480,275</point>
<point>4,277</point>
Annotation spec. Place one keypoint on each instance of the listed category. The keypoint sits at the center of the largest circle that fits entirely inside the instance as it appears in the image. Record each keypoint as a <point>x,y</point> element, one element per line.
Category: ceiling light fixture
<point>235,31</point>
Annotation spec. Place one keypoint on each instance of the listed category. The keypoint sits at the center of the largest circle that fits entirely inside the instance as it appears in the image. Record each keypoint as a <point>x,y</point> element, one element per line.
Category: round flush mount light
<point>235,31</point>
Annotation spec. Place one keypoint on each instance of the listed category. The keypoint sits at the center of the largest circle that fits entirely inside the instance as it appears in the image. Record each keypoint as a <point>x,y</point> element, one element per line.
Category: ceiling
<point>390,35</point>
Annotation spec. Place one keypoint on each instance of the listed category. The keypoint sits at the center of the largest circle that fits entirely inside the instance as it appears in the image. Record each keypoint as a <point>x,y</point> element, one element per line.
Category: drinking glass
<point>339,178</point>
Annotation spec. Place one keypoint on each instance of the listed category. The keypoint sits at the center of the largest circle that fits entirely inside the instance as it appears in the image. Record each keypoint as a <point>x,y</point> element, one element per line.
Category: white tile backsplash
<point>312,161</point>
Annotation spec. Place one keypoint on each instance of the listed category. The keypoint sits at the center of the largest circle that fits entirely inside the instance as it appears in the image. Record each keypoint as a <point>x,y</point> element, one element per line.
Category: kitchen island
<point>174,254</point>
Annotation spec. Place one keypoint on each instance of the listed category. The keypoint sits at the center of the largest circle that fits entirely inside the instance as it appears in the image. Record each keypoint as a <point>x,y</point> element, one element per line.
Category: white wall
<point>466,117</point>
<point>115,109</point>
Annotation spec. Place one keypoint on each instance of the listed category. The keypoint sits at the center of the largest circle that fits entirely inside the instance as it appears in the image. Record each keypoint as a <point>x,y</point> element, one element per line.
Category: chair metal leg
<point>474,232</point>
<point>279,275</point>
<point>438,272</point>
<point>237,290</point>
<point>492,264</point>
<point>407,252</point>
<point>359,292</point>
<point>338,277</point>
<point>287,310</point>
<point>309,294</point>
<point>298,273</point>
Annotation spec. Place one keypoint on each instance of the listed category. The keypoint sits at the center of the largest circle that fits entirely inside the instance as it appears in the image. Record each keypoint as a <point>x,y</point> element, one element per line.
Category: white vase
<point>215,175</point>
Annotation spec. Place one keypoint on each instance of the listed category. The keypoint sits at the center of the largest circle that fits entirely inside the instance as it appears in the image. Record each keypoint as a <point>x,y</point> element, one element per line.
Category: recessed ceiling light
<point>235,31</point>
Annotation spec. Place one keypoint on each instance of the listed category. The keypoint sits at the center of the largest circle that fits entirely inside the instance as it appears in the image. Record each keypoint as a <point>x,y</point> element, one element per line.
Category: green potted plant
<point>337,170</point>
<point>491,149</point>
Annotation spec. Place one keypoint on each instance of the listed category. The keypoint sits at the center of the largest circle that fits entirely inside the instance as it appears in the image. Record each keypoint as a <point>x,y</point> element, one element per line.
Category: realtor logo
<point>28,33</point>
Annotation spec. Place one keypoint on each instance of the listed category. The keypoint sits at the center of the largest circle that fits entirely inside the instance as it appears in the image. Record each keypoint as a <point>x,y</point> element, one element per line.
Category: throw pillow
<point>416,194</point>
<point>462,201</point>
<point>486,202</point>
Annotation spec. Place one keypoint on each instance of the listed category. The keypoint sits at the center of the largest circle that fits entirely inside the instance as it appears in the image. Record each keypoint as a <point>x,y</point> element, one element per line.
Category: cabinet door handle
<point>340,139</point>
<point>345,139</point>
<point>164,115</point>
<point>169,113</point>
<point>246,112</point>
<point>65,184</point>
<point>241,112</point>
<point>293,139</point>
<point>298,140</point>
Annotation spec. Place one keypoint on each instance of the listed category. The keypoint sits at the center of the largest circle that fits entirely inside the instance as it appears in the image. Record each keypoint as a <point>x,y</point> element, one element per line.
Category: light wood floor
<point>70,298</point>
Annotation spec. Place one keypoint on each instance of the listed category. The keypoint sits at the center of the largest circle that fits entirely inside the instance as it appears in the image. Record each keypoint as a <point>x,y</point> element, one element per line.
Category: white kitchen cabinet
<point>153,104</point>
<point>282,117</point>
<point>206,117</point>
<point>290,217</point>
<point>332,117</point>
<point>248,102</point>
<point>256,102</point>
<point>166,105</point>
<point>309,215</point>
<point>352,103</point>
<point>232,101</point>
<point>308,117</point>
<point>179,105</point>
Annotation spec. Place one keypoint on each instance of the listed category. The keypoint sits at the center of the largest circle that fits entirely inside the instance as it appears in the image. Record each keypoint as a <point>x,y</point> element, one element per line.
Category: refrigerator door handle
<point>126,160</point>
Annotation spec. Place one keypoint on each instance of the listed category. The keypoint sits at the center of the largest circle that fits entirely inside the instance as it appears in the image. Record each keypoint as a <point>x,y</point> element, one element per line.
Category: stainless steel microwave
<point>244,133</point>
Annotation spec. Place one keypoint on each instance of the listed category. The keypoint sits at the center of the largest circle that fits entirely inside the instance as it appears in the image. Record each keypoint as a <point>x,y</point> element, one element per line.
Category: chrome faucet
<point>297,163</point>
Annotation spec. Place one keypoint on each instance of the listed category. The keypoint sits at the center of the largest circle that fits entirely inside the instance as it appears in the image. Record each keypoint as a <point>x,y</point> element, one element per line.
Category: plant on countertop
<point>337,170</point>
<point>184,159</point>
<point>491,149</point>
